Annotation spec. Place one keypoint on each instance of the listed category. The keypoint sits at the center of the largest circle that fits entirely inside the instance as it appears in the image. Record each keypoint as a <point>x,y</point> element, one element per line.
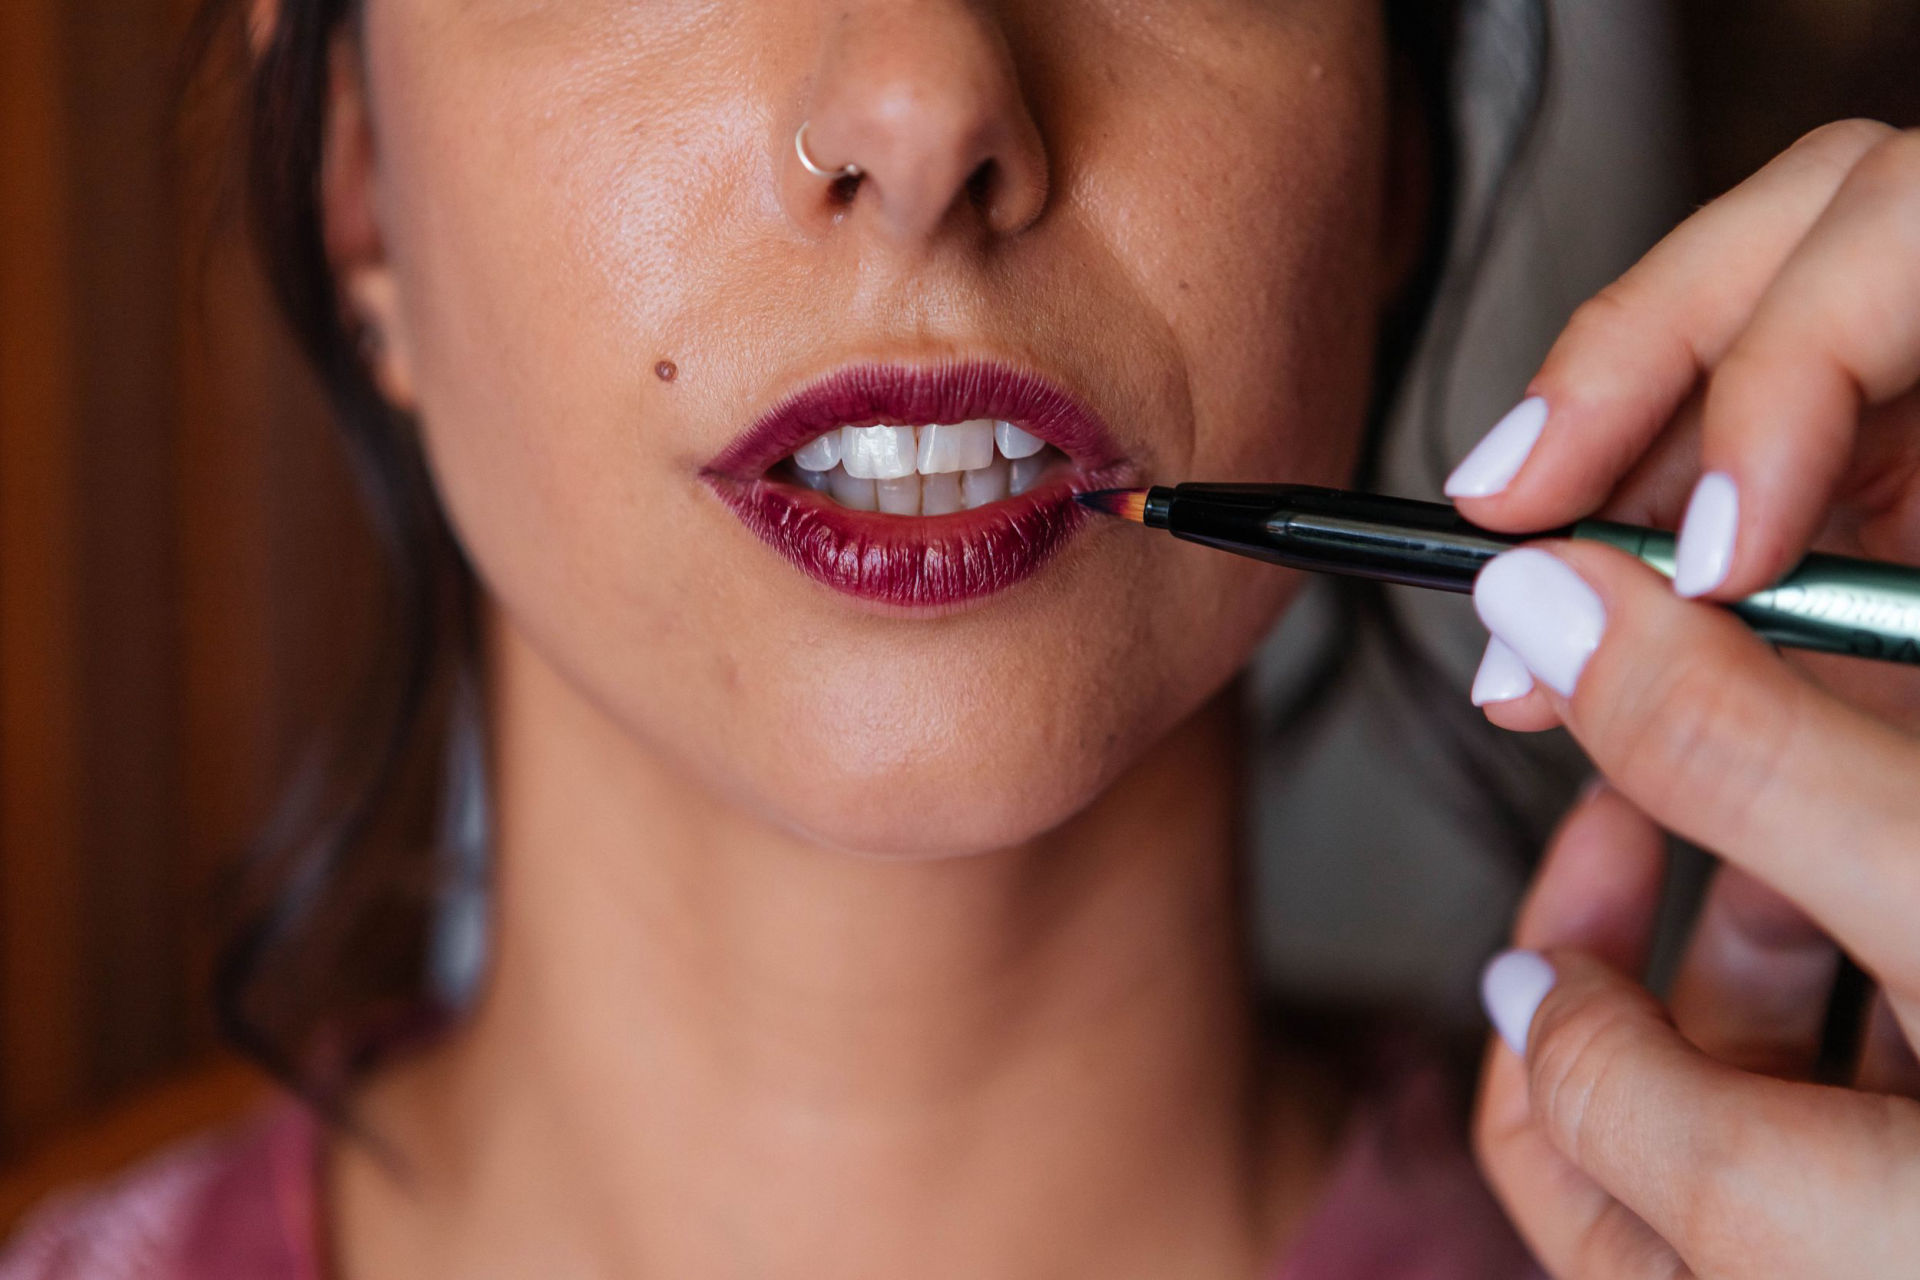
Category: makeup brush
<point>1833,604</point>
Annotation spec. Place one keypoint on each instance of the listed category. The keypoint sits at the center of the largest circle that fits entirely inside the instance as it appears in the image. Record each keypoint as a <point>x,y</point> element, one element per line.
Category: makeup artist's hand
<point>1755,372</point>
<point>1629,1140</point>
<point>1760,371</point>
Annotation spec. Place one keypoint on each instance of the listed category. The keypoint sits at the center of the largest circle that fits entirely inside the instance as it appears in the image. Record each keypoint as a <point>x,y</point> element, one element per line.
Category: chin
<point>988,756</point>
<point>932,822</point>
<point>867,794</point>
<point>912,816</point>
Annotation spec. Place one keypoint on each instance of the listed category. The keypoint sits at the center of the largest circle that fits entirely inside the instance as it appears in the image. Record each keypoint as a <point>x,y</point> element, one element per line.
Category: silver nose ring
<point>827,175</point>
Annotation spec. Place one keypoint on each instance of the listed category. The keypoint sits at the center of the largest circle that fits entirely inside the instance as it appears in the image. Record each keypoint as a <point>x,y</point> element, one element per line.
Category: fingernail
<point>1537,606</point>
<point>1502,676</point>
<point>1497,459</point>
<point>1511,988</point>
<point>1705,552</point>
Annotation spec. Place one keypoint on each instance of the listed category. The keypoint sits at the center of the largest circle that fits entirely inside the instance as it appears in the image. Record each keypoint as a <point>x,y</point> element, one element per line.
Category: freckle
<point>666,371</point>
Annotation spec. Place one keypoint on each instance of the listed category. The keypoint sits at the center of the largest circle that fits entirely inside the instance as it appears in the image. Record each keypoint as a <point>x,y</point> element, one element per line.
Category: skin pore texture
<point>831,937</point>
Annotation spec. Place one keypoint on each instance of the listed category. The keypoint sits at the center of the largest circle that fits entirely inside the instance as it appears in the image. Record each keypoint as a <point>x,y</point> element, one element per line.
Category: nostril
<point>980,183</point>
<point>845,188</point>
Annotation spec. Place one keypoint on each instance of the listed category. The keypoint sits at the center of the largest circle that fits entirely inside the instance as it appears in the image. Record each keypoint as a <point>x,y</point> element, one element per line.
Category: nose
<point>923,97</point>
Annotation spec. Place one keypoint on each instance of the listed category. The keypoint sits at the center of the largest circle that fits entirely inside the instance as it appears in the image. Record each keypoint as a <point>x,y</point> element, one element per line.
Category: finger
<point>1531,714</point>
<point>1719,741</point>
<point>1836,332</point>
<point>1888,1063</point>
<point>1598,888</point>
<point>1742,1174</point>
<point>1754,982</point>
<point>1503,687</point>
<point>1631,356</point>
<point>1655,492</point>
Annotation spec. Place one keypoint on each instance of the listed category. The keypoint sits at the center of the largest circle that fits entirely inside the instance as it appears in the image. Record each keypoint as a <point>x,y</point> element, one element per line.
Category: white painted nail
<point>1705,552</point>
<point>1497,459</point>
<point>1536,605</point>
<point>1511,988</point>
<point>1502,676</point>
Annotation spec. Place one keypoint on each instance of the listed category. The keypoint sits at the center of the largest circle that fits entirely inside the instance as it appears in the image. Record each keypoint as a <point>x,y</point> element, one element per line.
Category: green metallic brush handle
<point>1832,604</point>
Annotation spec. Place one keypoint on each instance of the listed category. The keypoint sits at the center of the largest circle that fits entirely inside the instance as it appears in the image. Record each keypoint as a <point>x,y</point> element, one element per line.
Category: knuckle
<point>1746,378</point>
<point>1632,315</point>
<point>1581,1044</point>
<point>1596,323</point>
<point>1718,1197</point>
<point>1618,1246</point>
<point>1698,736</point>
<point>1842,143</point>
<point>1891,167</point>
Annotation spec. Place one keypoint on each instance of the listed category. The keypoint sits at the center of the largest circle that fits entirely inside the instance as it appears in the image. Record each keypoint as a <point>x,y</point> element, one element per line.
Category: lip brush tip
<point>1128,504</point>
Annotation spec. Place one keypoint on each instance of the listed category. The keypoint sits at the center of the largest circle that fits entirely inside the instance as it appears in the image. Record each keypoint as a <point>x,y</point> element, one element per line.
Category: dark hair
<point>330,912</point>
<point>326,960</point>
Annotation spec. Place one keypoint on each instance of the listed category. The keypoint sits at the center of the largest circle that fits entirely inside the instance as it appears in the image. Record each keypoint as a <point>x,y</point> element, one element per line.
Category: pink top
<point>1403,1203</point>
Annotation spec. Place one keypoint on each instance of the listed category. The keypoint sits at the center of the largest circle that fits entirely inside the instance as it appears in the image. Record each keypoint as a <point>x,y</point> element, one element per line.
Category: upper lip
<point>914,395</point>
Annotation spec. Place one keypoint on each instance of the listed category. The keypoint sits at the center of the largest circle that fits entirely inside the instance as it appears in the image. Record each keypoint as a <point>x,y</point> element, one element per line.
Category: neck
<point>709,1048</point>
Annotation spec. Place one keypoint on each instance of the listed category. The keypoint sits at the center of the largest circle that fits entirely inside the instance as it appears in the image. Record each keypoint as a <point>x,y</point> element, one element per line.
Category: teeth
<point>900,496</point>
<point>933,470</point>
<point>1026,473</point>
<point>959,446</point>
<point>850,491</point>
<point>1015,443</point>
<point>988,484</point>
<point>941,495</point>
<point>877,453</point>
<point>822,454</point>
<point>890,452</point>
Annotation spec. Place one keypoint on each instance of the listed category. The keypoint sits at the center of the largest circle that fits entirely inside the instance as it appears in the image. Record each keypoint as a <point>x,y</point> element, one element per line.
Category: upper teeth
<point>891,453</point>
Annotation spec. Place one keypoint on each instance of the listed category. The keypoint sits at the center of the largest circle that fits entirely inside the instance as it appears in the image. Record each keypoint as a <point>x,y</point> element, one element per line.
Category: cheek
<point>556,231</point>
<point>1261,249</point>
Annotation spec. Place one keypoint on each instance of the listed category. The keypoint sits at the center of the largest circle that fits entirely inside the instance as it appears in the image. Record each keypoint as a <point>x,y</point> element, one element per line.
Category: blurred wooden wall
<point>180,568</point>
<point>181,572</point>
<point>1762,72</point>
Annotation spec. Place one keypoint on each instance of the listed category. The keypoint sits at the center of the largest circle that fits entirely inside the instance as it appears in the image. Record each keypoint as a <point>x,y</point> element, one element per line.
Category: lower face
<point>831,568</point>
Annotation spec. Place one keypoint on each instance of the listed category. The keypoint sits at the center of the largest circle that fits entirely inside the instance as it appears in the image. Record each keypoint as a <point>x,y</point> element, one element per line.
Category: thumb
<point>1742,1175</point>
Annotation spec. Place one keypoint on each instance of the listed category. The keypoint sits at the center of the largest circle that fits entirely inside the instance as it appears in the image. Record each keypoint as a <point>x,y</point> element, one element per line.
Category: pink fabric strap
<point>1403,1202</point>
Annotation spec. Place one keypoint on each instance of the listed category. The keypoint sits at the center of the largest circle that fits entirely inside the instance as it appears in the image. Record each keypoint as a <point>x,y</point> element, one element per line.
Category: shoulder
<point>220,1206</point>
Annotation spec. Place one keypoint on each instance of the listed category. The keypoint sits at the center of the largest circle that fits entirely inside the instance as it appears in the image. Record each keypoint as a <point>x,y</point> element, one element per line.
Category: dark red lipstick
<point>918,561</point>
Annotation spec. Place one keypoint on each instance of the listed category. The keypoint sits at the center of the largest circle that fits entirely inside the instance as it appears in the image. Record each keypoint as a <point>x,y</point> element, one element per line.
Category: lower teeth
<point>934,495</point>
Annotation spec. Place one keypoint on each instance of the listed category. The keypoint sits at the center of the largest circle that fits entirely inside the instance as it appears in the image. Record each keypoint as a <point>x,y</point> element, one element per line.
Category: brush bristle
<point>1128,504</point>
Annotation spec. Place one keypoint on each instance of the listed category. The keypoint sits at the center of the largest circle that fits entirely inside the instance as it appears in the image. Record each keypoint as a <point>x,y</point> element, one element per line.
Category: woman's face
<point>1153,234</point>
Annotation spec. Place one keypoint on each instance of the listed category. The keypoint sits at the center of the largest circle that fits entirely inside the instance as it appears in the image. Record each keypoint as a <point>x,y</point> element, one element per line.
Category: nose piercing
<point>806,161</point>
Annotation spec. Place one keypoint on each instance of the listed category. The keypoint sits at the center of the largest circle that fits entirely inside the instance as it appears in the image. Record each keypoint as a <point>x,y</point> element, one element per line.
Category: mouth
<point>919,486</point>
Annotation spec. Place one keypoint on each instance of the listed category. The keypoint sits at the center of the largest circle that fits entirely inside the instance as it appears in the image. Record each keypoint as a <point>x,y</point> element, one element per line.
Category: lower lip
<point>912,562</point>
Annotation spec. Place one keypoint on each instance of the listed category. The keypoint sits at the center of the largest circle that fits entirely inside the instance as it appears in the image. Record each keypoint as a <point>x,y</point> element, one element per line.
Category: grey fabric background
<point>1369,885</point>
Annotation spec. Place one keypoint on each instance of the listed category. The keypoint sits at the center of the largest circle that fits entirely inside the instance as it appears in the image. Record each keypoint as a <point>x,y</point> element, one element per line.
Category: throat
<point>709,1050</point>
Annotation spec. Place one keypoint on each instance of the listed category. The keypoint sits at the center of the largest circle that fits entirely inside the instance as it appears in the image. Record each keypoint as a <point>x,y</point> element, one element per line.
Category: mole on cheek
<point>666,371</point>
